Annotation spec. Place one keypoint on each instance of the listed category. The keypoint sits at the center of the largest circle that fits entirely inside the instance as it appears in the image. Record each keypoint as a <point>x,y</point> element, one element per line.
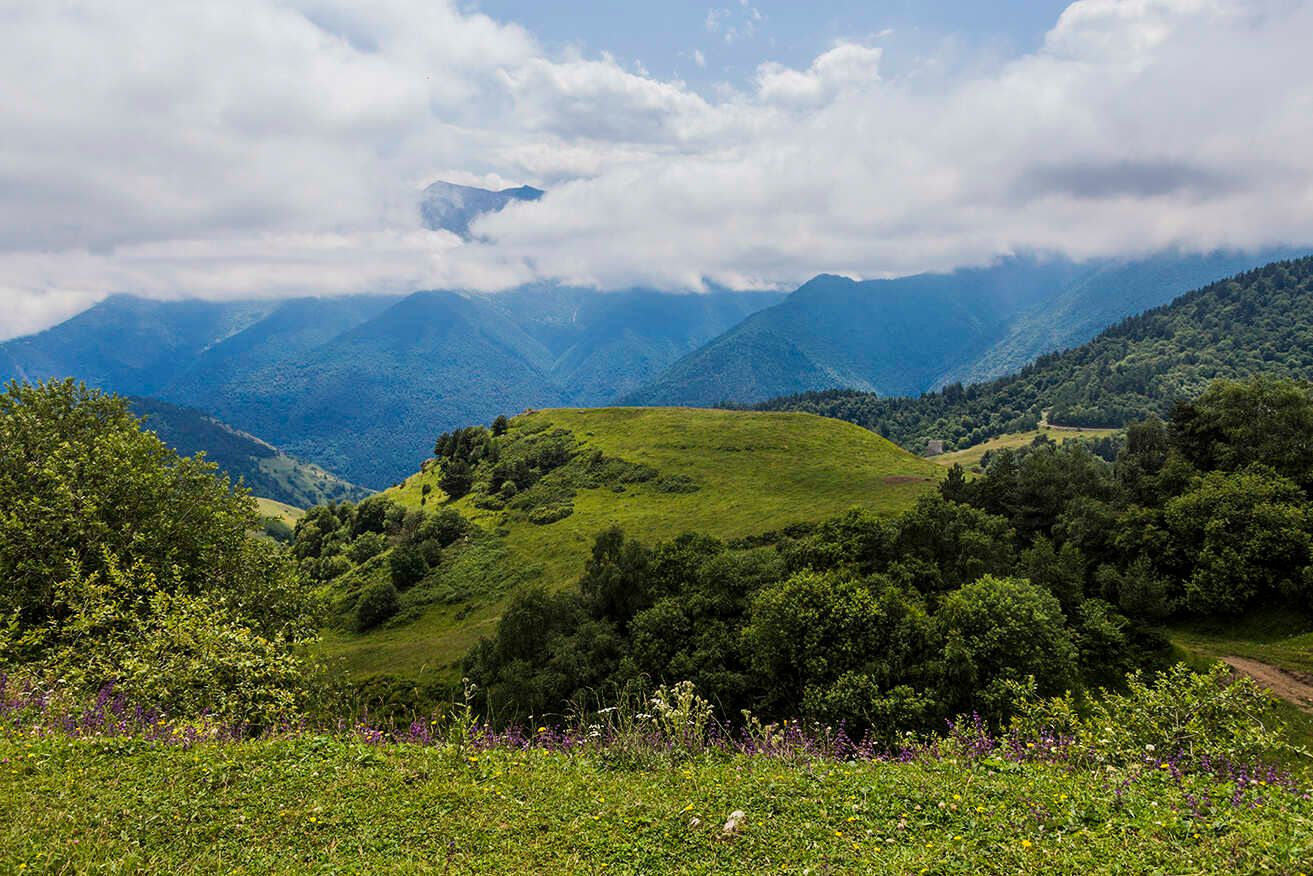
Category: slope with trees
<point>1259,322</point>
<point>914,334</point>
<point>1047,573</point>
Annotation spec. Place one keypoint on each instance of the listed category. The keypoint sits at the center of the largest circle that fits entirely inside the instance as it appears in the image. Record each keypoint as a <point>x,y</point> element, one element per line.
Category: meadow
<point>754,473</point>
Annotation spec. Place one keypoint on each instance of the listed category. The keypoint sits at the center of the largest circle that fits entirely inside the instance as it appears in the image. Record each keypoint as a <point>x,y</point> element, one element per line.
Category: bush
<point>996,633</point>
<point>366,546</point>
<point>125,563</point>
<point>1179,715</point>
<point>550,513</point>
<point>407,567</point>
<point>377,604</point>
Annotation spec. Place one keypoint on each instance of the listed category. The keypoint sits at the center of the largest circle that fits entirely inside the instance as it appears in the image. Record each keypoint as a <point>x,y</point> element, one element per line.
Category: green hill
<point>1259,322</point>
<point>656,472</point>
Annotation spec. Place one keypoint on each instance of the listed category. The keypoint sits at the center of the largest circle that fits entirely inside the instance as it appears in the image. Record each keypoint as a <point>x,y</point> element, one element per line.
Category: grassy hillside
<point>1260,322</point>
<point>970,457</point>
<point>738,474</point>
<point>322,805</point>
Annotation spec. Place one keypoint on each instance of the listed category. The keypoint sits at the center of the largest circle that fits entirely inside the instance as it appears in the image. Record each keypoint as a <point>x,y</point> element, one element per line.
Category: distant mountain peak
<point>450,207</point>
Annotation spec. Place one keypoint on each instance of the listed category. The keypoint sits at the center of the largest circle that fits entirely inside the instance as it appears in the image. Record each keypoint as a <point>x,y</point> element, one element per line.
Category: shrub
<point>1178,715</point>
<point>550,513</point>
<point>996,632</point>
<point>377,604</point>
<point>407,566</point>
<point>366,546</point>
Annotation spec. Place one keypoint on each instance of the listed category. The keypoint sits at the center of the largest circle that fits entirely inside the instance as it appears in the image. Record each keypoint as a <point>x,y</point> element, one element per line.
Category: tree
<point>1263,420</point>
<point>814,631</point>
<point>81,482</point>
<point>407,566</point>
<point>615,583</point>
<point>500,425</point>
<point>1237,536</point>
<point>997,632</point>
<point>123,562</point>
<point>457,478</point>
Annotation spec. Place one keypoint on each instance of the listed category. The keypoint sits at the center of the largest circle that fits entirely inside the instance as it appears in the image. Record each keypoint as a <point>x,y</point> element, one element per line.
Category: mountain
<point>266,470</point>
<point>908,335</point>
<point>1259,322</point>
<point>362,385</point>
<point>655,472</point>
<point>450,207</point>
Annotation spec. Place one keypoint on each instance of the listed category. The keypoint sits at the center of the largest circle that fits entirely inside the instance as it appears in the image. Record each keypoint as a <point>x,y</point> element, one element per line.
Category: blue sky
<point>733,37</point>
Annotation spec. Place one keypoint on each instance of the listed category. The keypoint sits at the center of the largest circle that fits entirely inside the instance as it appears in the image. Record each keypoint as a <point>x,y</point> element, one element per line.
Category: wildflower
<point>1025,844</point>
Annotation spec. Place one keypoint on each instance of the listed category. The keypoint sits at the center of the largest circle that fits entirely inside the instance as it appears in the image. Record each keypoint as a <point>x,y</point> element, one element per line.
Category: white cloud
<point>273,147</point>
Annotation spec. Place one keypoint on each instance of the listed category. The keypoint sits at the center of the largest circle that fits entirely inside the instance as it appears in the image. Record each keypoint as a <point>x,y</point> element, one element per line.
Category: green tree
<point>126,563</point>
<point>457,478</point>
<point>814,636</point>
<point>407,566</point>
<point>1237,536</point>
<point>996,633</point>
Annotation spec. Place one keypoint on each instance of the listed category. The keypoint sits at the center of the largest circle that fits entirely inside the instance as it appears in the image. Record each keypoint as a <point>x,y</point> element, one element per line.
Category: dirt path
<point>1293,687</point>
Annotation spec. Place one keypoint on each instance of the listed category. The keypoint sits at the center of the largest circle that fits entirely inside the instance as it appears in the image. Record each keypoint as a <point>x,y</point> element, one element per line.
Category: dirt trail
<point>1293,687</point>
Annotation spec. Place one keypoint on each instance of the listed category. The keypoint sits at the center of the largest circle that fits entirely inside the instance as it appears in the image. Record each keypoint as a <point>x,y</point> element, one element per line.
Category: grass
<point>971,456</point>
<point>322,804</point>
<point>756,472</point>
<point>279,511</point>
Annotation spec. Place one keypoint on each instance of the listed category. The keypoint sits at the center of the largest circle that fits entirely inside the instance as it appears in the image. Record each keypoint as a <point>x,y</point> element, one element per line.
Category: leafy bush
<point>378,603</point>
<point>546,514</point>
<point>1177,715</point>
<point>406,567</point>
<point>127,564</point>
<point>366,546</point>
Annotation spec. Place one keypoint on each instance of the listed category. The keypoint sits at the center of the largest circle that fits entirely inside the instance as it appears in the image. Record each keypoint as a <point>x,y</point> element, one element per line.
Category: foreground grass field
<point>328,805</point>
<point>755,473</point>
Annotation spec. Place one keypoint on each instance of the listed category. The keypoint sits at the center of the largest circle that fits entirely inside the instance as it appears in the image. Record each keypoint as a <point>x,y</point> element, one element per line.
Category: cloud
<point>276,147</point>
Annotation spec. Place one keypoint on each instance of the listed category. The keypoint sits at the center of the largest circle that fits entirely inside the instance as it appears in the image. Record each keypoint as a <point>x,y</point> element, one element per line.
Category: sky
<point>259,148</point>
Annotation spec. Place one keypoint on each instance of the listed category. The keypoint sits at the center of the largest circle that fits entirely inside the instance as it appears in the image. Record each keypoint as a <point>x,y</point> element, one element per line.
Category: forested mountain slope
<point>1259,322</point>
<point>266,470</point>
<point>912,334</point>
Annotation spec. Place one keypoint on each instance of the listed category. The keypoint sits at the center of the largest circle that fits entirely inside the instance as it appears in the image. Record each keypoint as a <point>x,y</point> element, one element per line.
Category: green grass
<point>279,511</point>
<point>756,472</point>
<point>971,456</point>
<point>326,805</point>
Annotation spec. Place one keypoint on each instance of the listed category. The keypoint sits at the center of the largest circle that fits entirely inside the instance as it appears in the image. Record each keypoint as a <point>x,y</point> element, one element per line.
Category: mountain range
<point>361,385</point>
<point>912,334</point>
<point>1258,322</point>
